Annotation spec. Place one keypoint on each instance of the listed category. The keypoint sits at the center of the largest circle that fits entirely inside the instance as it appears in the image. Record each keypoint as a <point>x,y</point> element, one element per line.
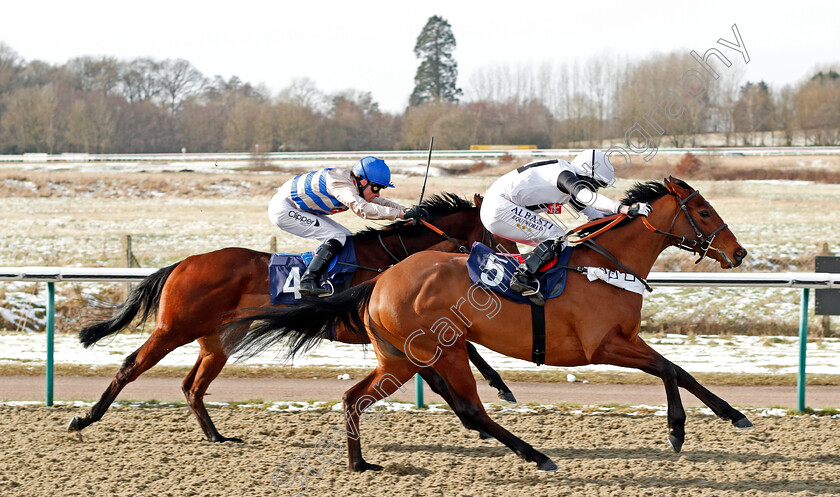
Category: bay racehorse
<point>192,298</point>
<point>416,316</point>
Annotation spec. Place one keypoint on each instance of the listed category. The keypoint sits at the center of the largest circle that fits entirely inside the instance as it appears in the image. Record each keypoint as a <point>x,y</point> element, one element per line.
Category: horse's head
<point>698,228</point>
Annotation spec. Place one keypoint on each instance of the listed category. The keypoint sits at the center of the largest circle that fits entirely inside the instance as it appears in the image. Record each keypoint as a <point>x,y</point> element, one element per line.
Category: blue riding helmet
<point>374,170</point>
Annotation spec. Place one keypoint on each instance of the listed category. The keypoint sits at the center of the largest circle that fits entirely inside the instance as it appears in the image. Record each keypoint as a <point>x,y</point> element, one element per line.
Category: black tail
<point>144,298</point>
<point>303,325</point>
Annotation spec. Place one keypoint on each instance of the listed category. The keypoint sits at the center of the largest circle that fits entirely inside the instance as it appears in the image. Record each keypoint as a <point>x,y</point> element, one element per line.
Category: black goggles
<point>374,188</point>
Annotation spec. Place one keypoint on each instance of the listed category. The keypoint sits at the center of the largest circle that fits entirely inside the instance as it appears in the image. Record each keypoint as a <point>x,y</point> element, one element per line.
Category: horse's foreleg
<point>149,354</point>
<point>455,370</point>
<point>382,382</point>
<point>719,406</point>
<point>618,350</point>
<point>209,364</point>
<point>490,374</point>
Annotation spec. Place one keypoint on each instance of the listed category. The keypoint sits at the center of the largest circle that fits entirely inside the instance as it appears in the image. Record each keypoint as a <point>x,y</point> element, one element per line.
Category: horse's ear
<point>477,199</point>
<point>677,186</point>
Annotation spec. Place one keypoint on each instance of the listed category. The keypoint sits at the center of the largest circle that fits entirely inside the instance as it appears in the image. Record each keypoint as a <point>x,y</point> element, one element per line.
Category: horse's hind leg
<point>490,374</point>
<point>210,362</point>
<point>438,386</point>
<point>382,382</point>
<point>150,353</point>
<point>455,370</point>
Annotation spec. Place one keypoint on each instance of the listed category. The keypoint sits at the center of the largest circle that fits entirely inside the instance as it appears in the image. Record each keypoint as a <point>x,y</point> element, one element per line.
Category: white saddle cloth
<point>621,280</point>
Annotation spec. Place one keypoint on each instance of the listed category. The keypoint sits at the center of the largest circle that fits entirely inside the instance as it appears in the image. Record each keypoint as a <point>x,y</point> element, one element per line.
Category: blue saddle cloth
<point>493,271</point>
<point>285,270</point>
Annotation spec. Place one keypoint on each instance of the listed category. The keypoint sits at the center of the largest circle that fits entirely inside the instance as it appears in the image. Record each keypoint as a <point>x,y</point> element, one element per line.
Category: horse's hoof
<point>228,439</point>
<point>743,424</point>
<point>484,435</point>
<point>365,466</point>
<point>547,466</point>
<point>507,397</point>
<point>676,443</point>
<point>74,424</point>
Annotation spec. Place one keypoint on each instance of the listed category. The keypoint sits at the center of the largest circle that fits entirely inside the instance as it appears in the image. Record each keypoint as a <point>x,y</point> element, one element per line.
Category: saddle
<point>285,270</point>
<point>493,271</point>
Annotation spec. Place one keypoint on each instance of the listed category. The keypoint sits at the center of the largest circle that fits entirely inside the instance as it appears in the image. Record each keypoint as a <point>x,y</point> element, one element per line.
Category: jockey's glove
<point>416,212</point>
<point>639,209</point>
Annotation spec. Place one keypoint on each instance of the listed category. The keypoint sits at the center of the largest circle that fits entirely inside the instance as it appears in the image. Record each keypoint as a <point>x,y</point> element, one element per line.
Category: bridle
<point>700,245</point>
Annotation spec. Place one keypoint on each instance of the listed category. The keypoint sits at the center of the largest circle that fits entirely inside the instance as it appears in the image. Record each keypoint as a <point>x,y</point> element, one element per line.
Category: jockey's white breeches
<point>514,222</point>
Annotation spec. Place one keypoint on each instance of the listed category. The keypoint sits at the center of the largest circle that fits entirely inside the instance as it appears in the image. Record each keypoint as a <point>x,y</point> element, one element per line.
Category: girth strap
<point>538,325</point>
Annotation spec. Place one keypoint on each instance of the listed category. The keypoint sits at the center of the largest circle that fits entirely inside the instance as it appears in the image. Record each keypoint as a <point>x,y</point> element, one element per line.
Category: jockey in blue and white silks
<point>302,205</point>
<point>513,202</point>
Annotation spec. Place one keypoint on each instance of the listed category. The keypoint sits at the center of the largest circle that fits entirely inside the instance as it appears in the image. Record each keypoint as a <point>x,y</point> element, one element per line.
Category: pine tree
<point>437,74</point>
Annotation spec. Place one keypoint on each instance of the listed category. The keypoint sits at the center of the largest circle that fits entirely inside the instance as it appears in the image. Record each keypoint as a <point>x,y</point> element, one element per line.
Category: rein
<point>618,219</point>
<point>461,248</point>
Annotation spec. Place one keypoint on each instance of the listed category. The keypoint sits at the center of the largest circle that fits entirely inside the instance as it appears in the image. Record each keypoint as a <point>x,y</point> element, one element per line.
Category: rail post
<point>50,340</point>
<point>418,390</point>
<point>803,345</point>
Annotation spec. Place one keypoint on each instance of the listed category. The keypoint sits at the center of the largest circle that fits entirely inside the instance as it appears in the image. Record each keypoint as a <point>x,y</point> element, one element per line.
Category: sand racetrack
<point>160,452</point>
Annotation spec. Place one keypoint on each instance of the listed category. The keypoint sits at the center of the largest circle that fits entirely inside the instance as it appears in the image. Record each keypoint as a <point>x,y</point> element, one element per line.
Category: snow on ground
<point>389,405</point>
<point>695,354</point>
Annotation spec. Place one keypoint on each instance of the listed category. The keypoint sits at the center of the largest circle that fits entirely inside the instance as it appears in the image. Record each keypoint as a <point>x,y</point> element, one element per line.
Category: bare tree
<point>179,80</point>
<point>304,93</point>
<point>754,112</point>
<point>90,124</point>
<point>11,66</point>
<point>95,74</point>
<point>818,107</point>
<point>30,121</point>
<point>786,114</point>
<point>140,79</point>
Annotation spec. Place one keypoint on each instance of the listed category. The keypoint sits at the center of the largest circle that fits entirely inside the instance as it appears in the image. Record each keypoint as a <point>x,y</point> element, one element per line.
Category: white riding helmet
<point>596,165</point>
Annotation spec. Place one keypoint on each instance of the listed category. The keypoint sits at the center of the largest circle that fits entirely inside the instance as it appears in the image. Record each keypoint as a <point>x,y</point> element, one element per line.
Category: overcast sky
<point>368,45</point>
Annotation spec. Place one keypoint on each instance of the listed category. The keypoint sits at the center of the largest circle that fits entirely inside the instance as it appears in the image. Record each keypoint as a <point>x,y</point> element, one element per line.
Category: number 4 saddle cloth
<point>285,270</point>
<point>493,271</point>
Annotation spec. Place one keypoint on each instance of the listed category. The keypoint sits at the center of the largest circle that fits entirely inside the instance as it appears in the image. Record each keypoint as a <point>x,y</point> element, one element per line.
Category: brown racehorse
<point>194,297</point>
<point>408,314</point>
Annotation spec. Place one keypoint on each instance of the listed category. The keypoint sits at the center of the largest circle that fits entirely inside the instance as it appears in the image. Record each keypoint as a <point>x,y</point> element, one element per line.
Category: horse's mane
<point>437,205</point>
<point>649,191</point>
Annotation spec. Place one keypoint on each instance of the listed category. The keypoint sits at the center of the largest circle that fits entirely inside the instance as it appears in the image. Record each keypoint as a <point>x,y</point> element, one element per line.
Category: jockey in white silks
<point>302,206</point>
<point>512,203</point>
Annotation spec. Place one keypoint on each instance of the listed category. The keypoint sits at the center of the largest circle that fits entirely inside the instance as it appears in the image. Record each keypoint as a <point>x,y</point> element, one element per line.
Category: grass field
<point>70,218</point>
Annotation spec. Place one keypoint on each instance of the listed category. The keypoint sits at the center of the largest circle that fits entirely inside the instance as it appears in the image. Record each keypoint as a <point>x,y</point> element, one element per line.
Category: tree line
<point>106,105</point>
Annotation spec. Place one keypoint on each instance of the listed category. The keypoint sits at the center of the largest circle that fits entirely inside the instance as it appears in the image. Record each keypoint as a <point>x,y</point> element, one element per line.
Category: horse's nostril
<point>740,253</point>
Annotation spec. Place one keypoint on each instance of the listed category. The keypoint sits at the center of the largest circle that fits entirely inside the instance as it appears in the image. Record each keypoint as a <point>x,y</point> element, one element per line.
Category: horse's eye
<point>704,213</point>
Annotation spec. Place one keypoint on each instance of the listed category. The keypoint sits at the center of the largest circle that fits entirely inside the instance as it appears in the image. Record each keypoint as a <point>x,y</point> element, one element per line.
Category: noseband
<point>701,244</point>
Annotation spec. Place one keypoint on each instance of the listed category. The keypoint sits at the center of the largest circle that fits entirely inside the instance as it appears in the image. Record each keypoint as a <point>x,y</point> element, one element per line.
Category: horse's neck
<point>459,225</point>
<point>636,246</point>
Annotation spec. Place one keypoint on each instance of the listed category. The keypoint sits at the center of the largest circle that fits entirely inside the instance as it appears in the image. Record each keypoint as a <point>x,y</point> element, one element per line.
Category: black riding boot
<point>524,279</point>
<point>310,281</point>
